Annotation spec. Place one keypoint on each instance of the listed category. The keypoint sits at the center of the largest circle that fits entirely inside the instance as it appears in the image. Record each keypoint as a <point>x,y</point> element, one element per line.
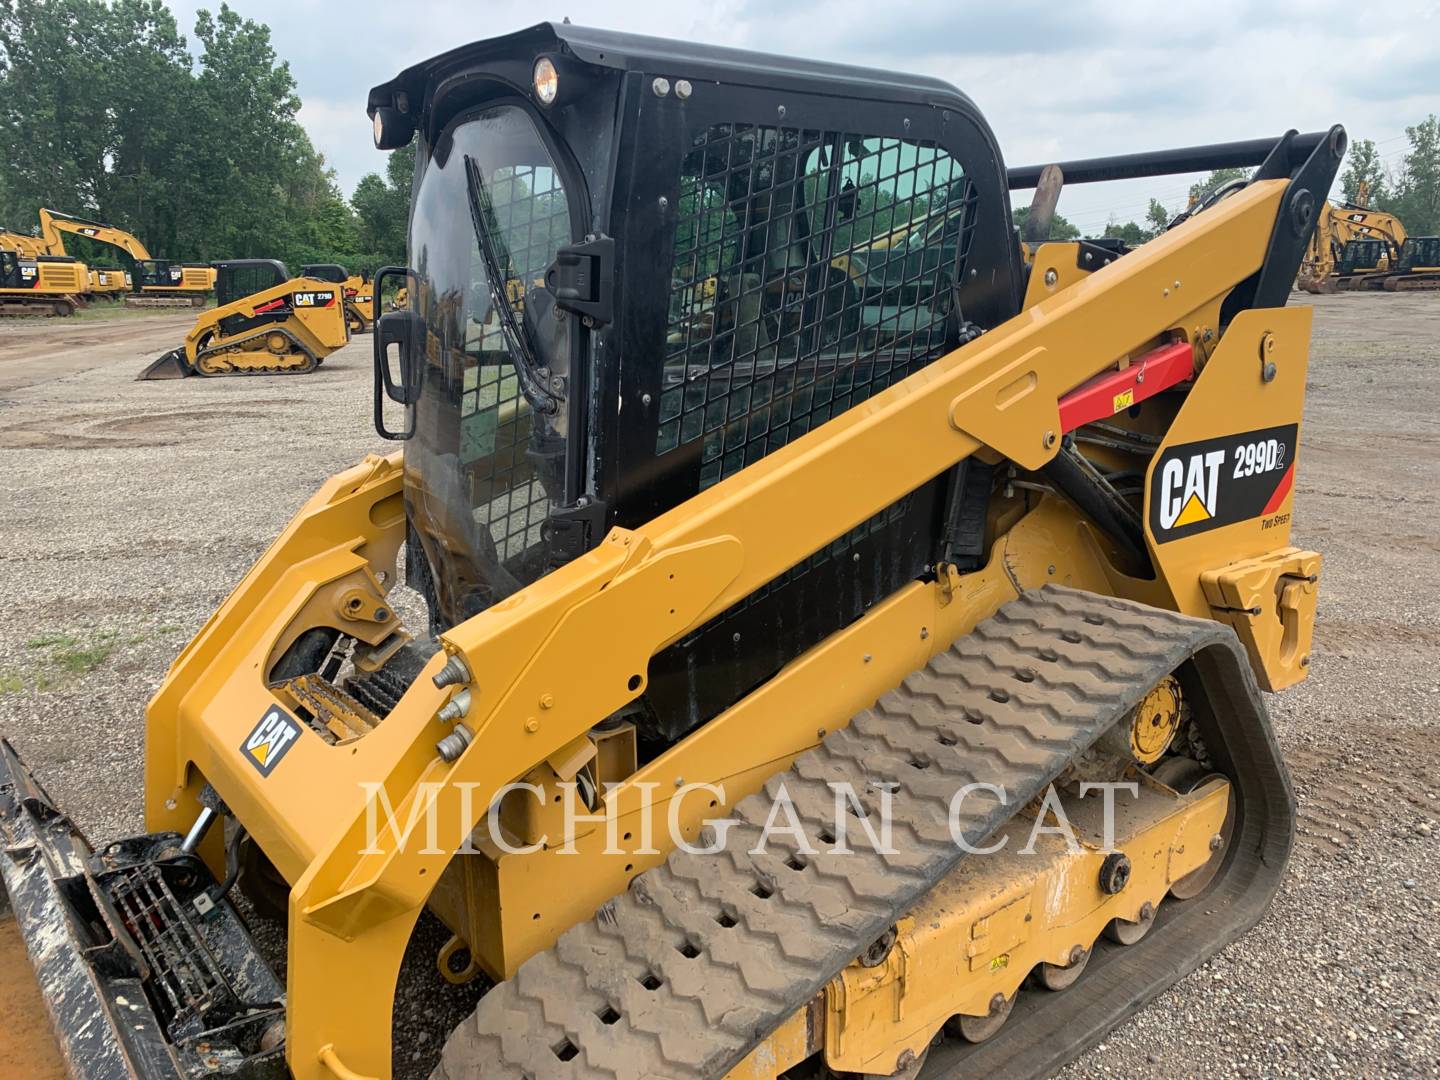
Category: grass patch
<point>46,641</point>
<point>80,661</point>
<point>11,683</point>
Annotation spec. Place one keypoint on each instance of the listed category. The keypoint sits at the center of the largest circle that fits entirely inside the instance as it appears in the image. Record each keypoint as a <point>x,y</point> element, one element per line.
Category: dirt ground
<point>130,509</point>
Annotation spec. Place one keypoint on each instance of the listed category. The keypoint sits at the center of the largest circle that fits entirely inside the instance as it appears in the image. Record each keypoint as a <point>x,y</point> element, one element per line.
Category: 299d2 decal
<point>1199,486</point>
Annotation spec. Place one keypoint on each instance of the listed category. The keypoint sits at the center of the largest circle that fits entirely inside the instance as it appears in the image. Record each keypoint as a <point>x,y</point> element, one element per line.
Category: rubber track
<point>1010,704</point>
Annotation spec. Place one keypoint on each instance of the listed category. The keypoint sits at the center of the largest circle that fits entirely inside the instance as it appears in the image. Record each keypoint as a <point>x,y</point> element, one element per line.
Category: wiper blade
<point>514,331</point>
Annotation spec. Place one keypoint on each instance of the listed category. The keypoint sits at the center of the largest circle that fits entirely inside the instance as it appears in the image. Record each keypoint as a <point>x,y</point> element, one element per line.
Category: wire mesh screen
<point>527,218</point>
<point>811,270</point>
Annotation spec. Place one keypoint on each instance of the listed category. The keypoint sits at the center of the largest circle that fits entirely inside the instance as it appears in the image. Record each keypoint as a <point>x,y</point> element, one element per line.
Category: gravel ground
<point>132,508</point>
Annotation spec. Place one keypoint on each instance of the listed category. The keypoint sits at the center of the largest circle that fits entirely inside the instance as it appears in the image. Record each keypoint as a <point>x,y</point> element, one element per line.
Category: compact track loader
<point>359,301</point>
<point>264,323</point>
<point>787,626</point>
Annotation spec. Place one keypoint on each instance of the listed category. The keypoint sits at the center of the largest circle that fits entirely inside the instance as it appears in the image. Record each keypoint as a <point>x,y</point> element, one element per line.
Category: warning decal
<point>1205,485</point>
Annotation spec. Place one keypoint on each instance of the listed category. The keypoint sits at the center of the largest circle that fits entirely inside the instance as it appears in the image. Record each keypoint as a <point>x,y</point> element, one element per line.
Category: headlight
<point>546,81</point>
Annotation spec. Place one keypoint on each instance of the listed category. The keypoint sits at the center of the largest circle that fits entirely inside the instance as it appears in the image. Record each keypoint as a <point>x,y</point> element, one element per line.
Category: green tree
<point>1134,235</point>
<point>1060,228</point>
<point>1202,189</point>
<point>1416,199</point>
<point>1157,217</point>
<point>382,209</point>
<point>1364,167</point>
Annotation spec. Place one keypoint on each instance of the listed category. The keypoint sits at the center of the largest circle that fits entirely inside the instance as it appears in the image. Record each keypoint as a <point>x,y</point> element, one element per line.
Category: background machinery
<point>155,282</point>
<point>359,302</point>
<point>1350,241</point>
<point>704,526</point>
<point>41,284</point>
<point>264,323</point>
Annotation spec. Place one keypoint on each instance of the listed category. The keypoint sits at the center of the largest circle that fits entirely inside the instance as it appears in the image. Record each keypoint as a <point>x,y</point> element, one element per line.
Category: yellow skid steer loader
<point>359,301</point>
<point>824,670</point>
<point>264,323</point>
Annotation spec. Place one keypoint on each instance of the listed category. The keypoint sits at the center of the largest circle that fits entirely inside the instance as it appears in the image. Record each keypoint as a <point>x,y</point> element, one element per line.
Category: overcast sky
<point>1057,79</point>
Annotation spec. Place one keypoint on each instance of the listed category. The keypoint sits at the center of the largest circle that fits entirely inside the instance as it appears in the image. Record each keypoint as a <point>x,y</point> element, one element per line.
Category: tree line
<point>108,112</point>
<point>1411,191</point>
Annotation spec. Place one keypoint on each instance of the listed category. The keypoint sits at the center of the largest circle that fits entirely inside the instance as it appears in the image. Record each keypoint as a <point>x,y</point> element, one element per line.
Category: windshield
<point>487,462</point>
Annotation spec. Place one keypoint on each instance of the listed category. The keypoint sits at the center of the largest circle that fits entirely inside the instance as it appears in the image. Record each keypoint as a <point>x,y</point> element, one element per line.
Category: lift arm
<point>53,223</point>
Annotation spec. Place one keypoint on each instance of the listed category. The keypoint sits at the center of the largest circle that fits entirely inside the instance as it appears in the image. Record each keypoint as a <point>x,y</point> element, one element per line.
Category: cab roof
<point>677,59</point>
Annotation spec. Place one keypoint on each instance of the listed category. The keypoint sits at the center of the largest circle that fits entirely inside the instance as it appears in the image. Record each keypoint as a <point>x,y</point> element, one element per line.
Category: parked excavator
<point>1351,240</point>
<point>156,282</point>
<point>264,323</point>
<point>764,666</point>
<point>41,284</point>
<point>359,301</point>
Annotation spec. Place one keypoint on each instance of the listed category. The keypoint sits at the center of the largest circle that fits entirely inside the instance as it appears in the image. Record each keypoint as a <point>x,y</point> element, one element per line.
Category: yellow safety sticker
<point>1123,400</point>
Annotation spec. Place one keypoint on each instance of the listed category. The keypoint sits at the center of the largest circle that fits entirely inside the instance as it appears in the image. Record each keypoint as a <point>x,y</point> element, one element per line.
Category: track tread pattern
<point>1010,704</point>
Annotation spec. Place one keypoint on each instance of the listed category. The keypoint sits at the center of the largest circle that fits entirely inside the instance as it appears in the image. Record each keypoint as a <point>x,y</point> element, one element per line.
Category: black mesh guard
<point>811,270</point>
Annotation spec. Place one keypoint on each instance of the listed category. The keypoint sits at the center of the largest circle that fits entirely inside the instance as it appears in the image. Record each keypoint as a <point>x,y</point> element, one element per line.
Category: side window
<point>811,269</point>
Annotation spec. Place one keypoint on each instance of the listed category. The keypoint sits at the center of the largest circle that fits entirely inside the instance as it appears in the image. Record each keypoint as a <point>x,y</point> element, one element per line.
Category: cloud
<point>1056,80</point>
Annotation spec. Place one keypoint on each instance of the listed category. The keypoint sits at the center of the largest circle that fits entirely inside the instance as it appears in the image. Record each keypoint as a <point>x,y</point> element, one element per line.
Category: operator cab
<point>236,279</point>
<point>639,266</point>
<point>332,272</point>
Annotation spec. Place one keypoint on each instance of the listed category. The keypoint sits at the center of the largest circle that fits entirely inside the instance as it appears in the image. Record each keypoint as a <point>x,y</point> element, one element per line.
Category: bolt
<point>855,557</point>
<point>170,804</point>
<point>679,781</point>
<point>1215,842</point>
<point>557,385</point>
<point>1305,660</point>
<point>547,701</point>
<point>1267,372</point>
<point>664,202</point>
<point>1048,440</point>
<point>453,672</point>
<point>455,708</point>
<point>780,112</point>
<point>644,399</point>
<point>1050,569</point>
<point>454,744</point>
<point>682,89</point>
<point>1164,292</point>
<point>1140,378</point>
<point>1177,283</point>
<point>735,637</point>
<point>661,87</point>
<point>924,632</point>
<point>1051,278</point>
<point>532,725</point>
<point>1089,257</point>
<point>868,658</point>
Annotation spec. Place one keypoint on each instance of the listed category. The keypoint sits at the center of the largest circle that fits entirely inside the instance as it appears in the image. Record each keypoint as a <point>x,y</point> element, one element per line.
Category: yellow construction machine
<point>359,301</point>
<point>1350,241</point>
<point>156,282</point>
<point>41,284</point>
<point>264,323</point>
<point>866,681</point>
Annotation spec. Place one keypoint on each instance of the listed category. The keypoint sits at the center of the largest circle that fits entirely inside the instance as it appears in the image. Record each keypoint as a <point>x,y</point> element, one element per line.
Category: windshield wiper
<point>514,331</point>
